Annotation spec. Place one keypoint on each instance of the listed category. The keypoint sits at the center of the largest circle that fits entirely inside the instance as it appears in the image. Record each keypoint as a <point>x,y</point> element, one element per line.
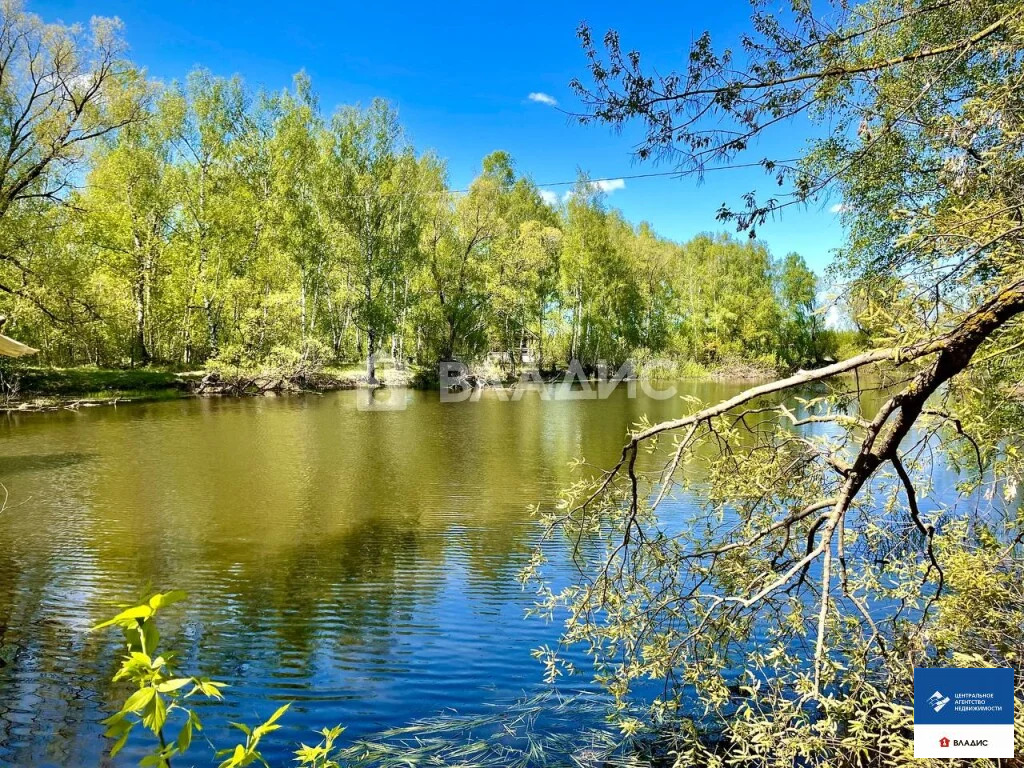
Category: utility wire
<point>540,185</point>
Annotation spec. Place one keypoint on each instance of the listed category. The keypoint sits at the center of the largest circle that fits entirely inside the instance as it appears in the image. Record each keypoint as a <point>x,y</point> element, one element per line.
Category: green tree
<point>299,211</point>
<point>797,287</point>
<point>591,269</point>
<point>61,89</point>
<point>727,300</point>
<point>218,223</point>
<point>373,171</point>
<point>209,124</point>
<point>459,259</point>
<point>129,210</point>
<point>523,280</point>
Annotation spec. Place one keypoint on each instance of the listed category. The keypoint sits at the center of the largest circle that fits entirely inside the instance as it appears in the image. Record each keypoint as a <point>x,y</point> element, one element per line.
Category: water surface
<point>361,564</point>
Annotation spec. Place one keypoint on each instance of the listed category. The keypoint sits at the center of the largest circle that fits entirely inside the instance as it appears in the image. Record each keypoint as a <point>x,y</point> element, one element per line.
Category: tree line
<point>203,220</point>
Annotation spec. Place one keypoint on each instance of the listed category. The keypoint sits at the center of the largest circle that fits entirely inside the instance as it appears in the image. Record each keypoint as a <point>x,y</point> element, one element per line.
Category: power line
<point>540,185</point>
<point>610,178</point>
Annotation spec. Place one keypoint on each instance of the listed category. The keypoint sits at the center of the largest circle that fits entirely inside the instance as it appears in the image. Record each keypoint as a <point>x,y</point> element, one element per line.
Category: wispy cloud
<point>543,98</point>
<point>610,185</point>
<point>837,208</point>
<point>549,197</point>
<point>607,186</point>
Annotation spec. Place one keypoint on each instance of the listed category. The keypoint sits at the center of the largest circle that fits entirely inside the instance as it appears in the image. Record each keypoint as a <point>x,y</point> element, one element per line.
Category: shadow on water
<point>40,462</point>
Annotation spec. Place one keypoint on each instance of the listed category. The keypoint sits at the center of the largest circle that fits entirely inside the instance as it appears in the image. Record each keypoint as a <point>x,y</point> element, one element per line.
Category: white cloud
<point>603,185</point>
<point>543,98</point>
<point>610,185</point>
<point>549,197</point>
<point>837,208</point>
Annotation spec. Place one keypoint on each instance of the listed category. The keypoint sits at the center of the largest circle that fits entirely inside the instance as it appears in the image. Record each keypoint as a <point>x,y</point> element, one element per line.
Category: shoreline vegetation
<point>218,227</point>
<point>28,389</point>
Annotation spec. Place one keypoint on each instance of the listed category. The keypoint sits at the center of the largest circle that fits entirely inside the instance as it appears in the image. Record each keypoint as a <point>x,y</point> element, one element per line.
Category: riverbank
<point>29,388</point>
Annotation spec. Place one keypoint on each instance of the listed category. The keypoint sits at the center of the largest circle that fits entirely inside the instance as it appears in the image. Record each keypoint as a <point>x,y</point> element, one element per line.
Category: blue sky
<point>460,75</point>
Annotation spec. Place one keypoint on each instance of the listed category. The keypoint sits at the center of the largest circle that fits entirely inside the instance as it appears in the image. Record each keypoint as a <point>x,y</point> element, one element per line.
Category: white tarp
<point>11,348</point>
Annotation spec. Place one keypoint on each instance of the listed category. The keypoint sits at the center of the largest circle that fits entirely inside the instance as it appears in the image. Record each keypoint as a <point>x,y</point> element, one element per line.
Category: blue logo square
<point>963,696</point>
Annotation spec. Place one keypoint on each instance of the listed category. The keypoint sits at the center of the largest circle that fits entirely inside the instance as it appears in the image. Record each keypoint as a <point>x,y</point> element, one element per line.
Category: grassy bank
<point>25,387</point>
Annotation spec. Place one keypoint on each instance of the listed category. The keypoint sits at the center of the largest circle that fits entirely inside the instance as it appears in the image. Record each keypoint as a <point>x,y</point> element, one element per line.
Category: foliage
<point>785,615</point>
<point>248,753</point>
<point>92,382</point>
<point>62,89</point>
<point>220,224</point>
<point>159,698</point>
<point>323,754</point>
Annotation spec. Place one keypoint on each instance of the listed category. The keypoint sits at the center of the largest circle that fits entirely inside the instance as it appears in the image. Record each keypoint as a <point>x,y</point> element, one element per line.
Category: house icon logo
<point>943,742</point>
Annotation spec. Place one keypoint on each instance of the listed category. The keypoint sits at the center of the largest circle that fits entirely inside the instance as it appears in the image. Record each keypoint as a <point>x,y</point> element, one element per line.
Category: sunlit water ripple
<point>359,564</point>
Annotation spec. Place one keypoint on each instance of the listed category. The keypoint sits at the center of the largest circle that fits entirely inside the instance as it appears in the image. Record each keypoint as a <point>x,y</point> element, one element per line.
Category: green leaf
<point>208,688</point>
<point>158,601</point>
<point>173,685</point>
<point>131,614</point>
<point>138,700</point>
<point>262,730</point>
<point>156,714</point>
<point>277,714</point>
<point>150,636</point>
<point>115,718</point>
<point>184,740</point>
<point>121,740</point>
<point>237,758</point>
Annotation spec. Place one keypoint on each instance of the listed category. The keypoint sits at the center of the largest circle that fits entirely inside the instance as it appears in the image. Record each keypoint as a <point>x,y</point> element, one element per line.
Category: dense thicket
<point>214,222</point>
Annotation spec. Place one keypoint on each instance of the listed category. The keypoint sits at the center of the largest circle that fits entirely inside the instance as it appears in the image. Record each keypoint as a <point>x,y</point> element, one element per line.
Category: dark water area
<point>359,563</point>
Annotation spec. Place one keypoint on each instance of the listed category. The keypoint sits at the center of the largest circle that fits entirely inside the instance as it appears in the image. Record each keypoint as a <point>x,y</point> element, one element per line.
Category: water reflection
<point>360,563</point>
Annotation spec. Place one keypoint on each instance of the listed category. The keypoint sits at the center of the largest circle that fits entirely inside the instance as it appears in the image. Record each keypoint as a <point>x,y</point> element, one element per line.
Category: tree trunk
<point>540,337</point>
<point>140,354</point>
<point>448,353</point>
<point>371,364</point>
<point>577,313</point>
<point>302,303</point>
<point>211,326</point>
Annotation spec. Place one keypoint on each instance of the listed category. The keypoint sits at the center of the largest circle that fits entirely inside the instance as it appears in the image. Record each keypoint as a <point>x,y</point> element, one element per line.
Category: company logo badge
<point>963,713</point>
<point>938,701</point>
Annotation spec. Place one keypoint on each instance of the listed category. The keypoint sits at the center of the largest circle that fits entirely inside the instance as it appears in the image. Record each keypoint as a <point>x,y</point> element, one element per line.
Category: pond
<point>361,563</point>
